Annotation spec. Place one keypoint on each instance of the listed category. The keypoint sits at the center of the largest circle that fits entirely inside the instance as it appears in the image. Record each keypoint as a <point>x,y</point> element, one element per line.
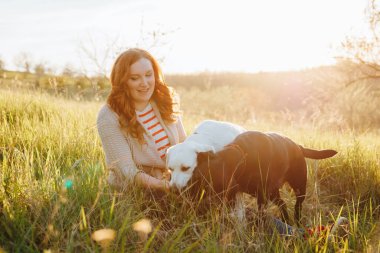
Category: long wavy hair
<point>121,101</point>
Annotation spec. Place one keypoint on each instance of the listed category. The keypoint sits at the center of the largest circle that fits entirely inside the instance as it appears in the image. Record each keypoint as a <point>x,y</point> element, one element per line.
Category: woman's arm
<point>115,146</point>
<point>147,181</point>
<point>118,152</point>
<point>181,130</point>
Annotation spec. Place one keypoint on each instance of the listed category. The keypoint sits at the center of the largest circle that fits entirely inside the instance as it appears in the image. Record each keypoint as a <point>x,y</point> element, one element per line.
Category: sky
<point>187,36</point>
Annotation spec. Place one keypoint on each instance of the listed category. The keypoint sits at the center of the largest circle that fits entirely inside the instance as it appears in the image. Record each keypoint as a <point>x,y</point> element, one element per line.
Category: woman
<point>139,122</point>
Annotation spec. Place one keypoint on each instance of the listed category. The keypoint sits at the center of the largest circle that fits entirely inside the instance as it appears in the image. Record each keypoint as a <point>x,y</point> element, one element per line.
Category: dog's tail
<point>317,154</point>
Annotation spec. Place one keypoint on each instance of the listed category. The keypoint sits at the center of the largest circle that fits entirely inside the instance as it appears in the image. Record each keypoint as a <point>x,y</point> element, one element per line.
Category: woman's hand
<point>150,182</point>
<point>165,185</point>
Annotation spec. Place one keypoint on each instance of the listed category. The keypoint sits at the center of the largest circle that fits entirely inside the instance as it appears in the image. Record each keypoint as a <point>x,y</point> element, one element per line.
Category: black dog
<point>259,164</point>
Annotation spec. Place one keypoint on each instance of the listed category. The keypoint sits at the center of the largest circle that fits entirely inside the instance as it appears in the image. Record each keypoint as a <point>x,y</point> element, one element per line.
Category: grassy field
<point>47,141</point>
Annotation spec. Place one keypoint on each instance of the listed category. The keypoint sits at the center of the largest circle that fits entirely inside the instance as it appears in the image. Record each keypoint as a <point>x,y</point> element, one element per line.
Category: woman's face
<point>141,82</point>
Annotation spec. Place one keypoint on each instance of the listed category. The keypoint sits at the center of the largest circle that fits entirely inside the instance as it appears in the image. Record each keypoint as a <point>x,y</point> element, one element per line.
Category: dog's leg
<point>297,180</point>
<point>298,208</point>
<point>261,202</point>
<point>276,198</point>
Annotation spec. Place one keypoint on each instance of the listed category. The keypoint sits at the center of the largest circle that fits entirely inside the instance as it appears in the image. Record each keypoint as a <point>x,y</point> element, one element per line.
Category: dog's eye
<point>171,169</point>
<point>183,168</point>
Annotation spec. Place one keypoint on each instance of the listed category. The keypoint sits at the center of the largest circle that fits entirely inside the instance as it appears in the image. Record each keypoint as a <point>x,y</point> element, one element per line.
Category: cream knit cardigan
<point>124,155</point>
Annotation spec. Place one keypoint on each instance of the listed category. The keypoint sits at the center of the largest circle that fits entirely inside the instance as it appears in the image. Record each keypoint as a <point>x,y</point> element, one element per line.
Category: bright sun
<point>214,35</point>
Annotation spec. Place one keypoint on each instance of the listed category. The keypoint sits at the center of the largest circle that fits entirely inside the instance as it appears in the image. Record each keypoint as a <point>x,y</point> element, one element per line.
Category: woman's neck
<point>141,106</point>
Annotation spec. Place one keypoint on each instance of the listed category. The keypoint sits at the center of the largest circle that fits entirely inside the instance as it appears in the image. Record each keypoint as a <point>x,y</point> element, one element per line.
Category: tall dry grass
<point>47,141</point>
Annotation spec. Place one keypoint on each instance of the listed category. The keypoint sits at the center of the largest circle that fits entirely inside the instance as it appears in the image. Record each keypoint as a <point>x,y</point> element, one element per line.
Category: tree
<point>97,59</point>
<point>362,53</point>
<point>23,61</point>
<point>39,69</point>
<point>2,64</point>
<point>68,70</point>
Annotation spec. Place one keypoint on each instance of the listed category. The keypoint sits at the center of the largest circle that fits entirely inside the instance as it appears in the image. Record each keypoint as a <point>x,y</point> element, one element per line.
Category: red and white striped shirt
<point>149,121</point>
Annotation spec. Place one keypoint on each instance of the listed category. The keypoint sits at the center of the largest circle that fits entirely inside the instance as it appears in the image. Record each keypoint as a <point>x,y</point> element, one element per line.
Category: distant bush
<point>68,71</point>
<point>317,96</point>
<point>102,83</point>
<point>82,82</point>
<point>39,69</point>
<point>2,65</point>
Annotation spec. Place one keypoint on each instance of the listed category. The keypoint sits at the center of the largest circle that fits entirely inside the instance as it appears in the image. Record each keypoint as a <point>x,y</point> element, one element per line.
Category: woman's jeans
<point>285,229</point>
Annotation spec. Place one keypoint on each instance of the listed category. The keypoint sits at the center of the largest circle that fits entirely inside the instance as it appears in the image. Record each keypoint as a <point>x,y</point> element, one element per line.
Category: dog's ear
<point>203,148</point>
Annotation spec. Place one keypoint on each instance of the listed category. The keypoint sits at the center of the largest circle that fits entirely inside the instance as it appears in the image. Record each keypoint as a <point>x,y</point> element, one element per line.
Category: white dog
<point>209,135</point>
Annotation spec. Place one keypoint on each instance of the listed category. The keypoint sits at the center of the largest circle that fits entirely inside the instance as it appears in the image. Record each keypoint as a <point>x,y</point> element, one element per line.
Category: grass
<point>46,140</point>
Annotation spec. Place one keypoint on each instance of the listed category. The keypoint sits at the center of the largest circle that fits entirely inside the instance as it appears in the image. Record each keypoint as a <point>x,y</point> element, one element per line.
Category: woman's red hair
<point>121,101</point>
